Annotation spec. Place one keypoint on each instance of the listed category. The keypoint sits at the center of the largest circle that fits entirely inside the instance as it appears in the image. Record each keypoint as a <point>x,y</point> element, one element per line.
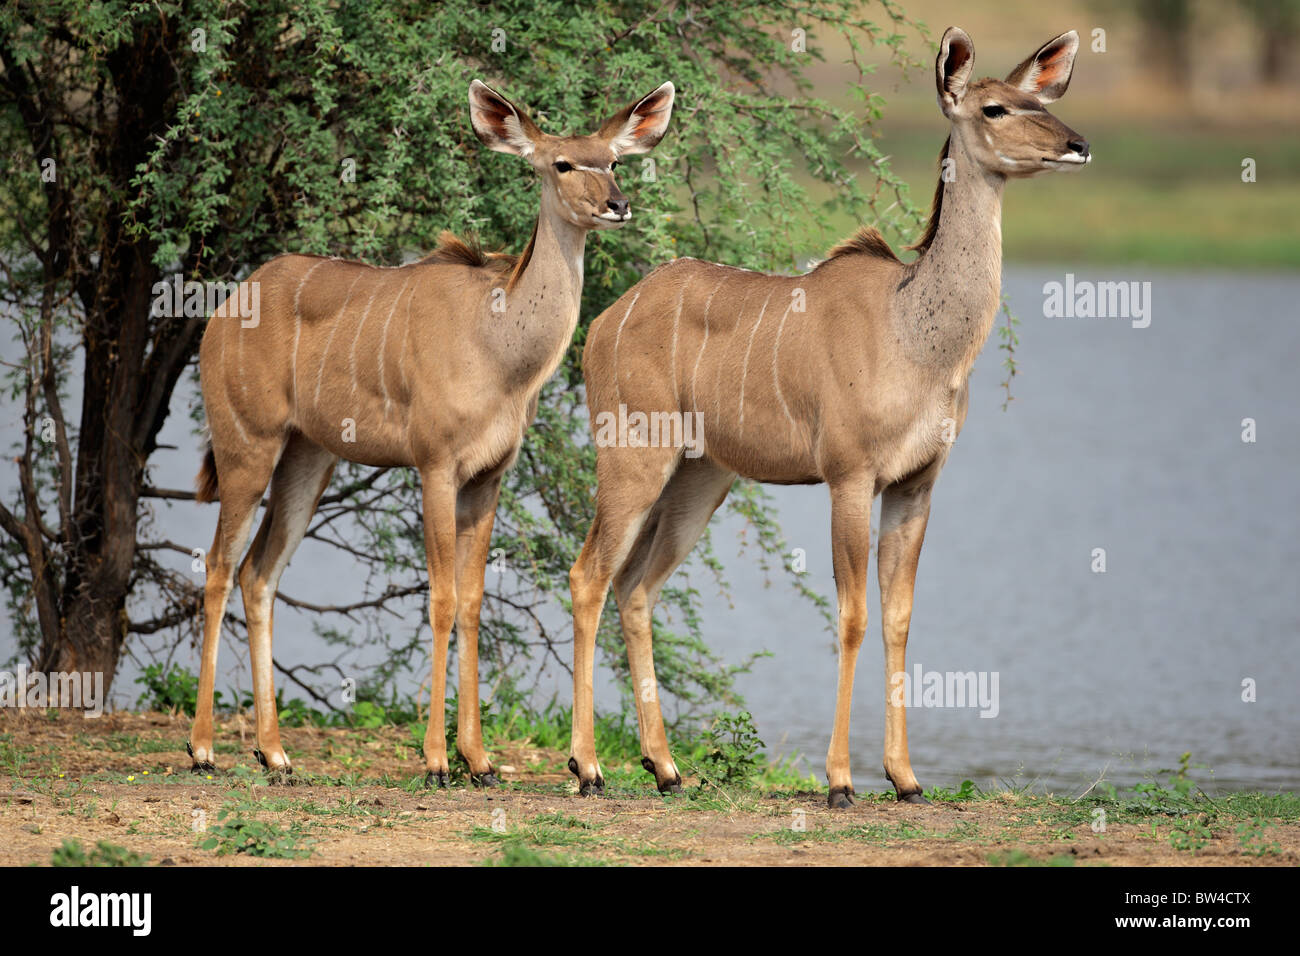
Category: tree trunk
<point>90,645</point>
<point>1165,37</point>
<point>1276,58</point>
<point>131,361</point>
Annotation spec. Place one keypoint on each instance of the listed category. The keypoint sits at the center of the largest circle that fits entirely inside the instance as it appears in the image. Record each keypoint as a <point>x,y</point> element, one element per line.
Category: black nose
<point>619,206</point>
<point>1079,146</point>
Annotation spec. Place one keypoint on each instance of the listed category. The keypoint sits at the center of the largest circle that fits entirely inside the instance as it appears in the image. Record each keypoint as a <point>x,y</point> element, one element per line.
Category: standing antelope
<point>854,374</point>
<point>437,364</point>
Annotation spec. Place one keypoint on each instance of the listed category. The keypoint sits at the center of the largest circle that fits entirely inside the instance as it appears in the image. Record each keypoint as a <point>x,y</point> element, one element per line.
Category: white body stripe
<point>618,337</point>
<point>677,318</point>
<point>297,332</point>
<point>695,405</point>
<point>776,377</point>
<point>744,367</point>
<point>356,337</point>
<point>383,342</point>
<point>329,339</point>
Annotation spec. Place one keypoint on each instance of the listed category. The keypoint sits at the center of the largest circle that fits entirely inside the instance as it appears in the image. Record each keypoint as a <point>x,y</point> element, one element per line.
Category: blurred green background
<point>1170,111</point>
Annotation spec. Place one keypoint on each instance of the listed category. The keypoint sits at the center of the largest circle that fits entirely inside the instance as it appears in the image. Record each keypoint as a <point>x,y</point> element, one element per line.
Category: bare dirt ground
<point>125,779</point>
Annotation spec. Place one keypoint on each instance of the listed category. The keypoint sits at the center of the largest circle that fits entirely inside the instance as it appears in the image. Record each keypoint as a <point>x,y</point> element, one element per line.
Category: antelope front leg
<point>903,516</point>
<point>588,591</point>
<point>477,512</point>
<point>851,546</point>
<point>439,496</point>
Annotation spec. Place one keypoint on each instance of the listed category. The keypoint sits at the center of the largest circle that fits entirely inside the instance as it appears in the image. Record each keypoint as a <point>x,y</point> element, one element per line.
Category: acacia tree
<point>201,137</point>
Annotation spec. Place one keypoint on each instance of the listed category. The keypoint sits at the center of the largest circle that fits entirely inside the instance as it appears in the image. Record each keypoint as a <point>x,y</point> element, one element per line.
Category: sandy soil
<point>125,779</point>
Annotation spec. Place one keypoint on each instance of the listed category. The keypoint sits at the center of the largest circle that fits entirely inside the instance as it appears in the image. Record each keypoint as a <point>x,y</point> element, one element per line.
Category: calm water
<point>1120,438</point>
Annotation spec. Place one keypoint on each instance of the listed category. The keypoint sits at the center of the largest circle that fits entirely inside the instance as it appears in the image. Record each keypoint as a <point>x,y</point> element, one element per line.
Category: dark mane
<point>866,240</point>
<point>936,207</point>
<point>521,263</point>
<point>467,251</point>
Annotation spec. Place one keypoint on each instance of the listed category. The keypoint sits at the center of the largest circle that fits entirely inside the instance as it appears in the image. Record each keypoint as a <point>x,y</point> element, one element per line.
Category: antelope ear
<point>500,124</point>
<point>637,127</point>
<point>953,67</point>
<point>1046,74</point>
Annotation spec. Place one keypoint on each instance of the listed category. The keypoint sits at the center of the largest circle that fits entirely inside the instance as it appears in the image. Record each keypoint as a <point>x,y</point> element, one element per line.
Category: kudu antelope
<point>437,364</point>
<point>854,374</point>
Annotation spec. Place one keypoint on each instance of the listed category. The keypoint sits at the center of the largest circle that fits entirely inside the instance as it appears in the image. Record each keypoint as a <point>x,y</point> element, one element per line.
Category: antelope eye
<point>613,166</point>
<point>994,111</point>
<point>562,167</point>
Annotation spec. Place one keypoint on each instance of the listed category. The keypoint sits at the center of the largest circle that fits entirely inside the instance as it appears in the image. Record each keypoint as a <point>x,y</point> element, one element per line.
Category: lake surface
<point>1121,438</point>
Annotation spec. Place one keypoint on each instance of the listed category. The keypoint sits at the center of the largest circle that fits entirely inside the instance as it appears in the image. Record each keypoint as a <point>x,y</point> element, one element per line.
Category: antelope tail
<point>207,477</point>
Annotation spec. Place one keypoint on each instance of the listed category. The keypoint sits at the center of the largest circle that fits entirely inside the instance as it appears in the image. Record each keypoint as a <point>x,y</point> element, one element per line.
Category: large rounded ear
<point>1046,74</point>
<point>953,67</point>
<point>499,123</point>
<point>637,127</point>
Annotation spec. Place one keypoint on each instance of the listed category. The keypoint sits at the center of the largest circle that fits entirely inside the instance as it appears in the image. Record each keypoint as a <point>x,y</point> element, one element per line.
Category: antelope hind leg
<point>679,518</point>
<point>904,512</point>
<point>300,479</point>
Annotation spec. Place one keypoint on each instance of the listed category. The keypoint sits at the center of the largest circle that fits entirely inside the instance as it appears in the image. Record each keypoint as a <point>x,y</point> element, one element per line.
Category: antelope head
<point>1004,124</point>
<point>577,172</point>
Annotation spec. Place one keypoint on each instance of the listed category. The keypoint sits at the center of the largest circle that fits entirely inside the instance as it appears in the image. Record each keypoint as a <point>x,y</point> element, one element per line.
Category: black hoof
<point>488,779</point>
<point>907,796</point>
<point>274,774</point>
<point>667,786</point>
<point>199,766</point>
<point>840,798</point>
<point>435,780</point>
<point>670,786</point>
<point>587,788</point>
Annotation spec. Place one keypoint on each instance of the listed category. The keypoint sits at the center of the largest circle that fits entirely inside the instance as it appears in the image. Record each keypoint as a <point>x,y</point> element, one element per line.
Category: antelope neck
<point>541,310</point>
<point>947,302</point>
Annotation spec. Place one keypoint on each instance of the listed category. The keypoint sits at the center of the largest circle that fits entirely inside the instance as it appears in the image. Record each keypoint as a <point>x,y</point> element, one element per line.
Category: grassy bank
<point>1152,196</point>
<point>1164,187</point>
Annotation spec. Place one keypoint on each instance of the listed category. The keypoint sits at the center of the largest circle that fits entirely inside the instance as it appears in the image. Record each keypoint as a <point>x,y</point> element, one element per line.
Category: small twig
<point>1094,783</point>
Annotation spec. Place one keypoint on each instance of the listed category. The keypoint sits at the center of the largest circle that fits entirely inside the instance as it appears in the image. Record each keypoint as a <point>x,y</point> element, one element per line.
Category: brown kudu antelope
<point>437,364</point>
<point>854,374</point>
